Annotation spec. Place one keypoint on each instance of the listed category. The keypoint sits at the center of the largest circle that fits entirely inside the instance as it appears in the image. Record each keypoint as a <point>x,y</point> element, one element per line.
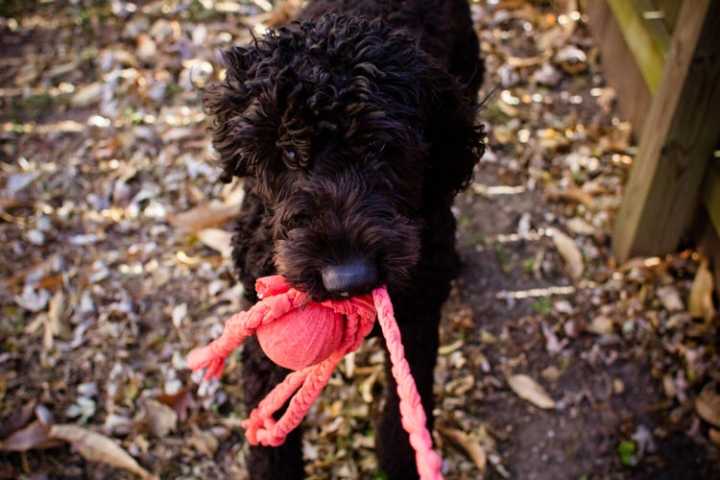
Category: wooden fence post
<point>679,135</point>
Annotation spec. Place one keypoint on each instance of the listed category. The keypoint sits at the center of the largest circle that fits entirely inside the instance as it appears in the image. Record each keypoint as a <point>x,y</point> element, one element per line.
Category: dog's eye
<point>293,159</point>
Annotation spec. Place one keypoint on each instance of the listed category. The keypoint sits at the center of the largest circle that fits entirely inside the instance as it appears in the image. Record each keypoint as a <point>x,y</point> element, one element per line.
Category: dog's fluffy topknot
<point>345,80</point>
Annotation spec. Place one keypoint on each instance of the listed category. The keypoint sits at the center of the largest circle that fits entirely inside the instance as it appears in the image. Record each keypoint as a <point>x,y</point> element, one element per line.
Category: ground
<point>556,362</point>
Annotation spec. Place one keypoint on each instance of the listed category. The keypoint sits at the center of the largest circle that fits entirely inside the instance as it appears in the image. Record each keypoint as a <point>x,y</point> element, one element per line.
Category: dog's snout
<point>353,277</point>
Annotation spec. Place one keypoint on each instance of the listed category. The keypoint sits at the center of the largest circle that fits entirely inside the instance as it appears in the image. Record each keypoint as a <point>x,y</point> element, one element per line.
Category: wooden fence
<point>663,58</point>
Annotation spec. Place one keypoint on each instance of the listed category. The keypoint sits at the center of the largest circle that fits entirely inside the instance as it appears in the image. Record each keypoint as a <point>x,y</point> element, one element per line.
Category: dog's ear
<point>455,137</point>
<point>225,102</point>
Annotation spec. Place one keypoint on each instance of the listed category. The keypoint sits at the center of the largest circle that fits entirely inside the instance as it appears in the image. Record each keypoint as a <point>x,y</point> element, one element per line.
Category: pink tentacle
<point>271,286</point>
<point>303,387</point>
<point>274,433</point>
<point>212,357</point>
<point>239,327</point>
<point>413,417</point>
<point>272,308</point>
<point>261,418</point>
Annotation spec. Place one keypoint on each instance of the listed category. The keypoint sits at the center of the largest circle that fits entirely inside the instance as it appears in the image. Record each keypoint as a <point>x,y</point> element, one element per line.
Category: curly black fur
<point>355,128</point>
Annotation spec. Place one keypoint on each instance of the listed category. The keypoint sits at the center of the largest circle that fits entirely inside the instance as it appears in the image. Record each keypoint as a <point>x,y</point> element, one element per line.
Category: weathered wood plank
<point>678,139</point>
<point>670,10</point>
<point>647,39</point>
<point>618,64</point>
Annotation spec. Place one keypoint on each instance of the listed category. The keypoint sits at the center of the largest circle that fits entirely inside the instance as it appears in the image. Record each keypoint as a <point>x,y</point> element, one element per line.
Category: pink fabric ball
<point>303,337</point>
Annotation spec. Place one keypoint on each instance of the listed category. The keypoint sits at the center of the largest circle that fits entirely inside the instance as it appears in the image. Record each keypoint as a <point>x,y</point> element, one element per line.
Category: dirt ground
<point>556,363</point>
<point>580,439</point>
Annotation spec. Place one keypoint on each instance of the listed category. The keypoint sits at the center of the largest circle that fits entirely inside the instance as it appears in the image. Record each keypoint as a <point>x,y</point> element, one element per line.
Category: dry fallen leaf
<point>283,13</point>
<point>17,419</point>
<point>53,320</point>
<point>160,418</point>
<point>87,95</point>
<point>528,389</point>
<point>524,62</point>
<point>569,251</point>
<point>571,194</point>
<point>216,239</point>
<point>581,227</point>
<point>448,349</point>
<point>203,442</point>
<point>571,59</point>
<point>551,373</point>
<point>700,304</point>
<point>707,405</point>
<point>601,325</point>
<point>471,445</point>
<point>146,48</point>
<point>213,214</point>
<point>670,298</point>
<point>98,448</point>
<point>366,387</point>
<point>180,402</point>
<point>33,437</point>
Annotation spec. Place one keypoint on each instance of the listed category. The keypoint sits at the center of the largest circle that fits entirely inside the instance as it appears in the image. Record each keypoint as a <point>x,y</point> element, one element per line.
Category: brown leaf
<point>571,194</point>
<point>216,239</point>
<point>203,442</point>
<point>7,203</point>
<point>181,402</point>
<point>707,405</point>
<point>87,95</point>
<point>528,389</point>
<point>53,319</point>
<point>581,227</point>
<point>33,437</point>
<point>213,214</point>
<point>601,325</point>
<point>670,298</point>
<point>471,445</point>
<point>448,349</point>
<point>569,251</point>
<point>283,13</point>
<point>523,62</point>
<point>160,418</point>
<point>551,373</point>
<point>366,387</point>
<point>17,419</point>
<point>146,48</point>
<point>98,448</point>
<point>51,282</point>
<point>700,304</point>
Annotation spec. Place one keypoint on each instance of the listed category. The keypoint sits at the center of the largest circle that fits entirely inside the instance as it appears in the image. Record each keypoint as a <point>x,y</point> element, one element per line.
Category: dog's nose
<point>353,277</point>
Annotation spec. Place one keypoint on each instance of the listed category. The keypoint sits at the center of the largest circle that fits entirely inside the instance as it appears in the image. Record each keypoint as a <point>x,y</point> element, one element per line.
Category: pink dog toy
<point>311,338</point>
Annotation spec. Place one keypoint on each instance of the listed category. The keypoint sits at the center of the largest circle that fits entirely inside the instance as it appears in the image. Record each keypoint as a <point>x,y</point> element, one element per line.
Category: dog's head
<point>352,135</point>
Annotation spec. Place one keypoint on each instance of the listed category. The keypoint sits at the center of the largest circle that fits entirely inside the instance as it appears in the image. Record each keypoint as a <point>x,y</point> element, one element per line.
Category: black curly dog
<point>354,128</point>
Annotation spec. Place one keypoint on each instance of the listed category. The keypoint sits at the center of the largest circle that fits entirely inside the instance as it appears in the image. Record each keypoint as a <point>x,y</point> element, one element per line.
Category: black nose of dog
<point>353,277</point>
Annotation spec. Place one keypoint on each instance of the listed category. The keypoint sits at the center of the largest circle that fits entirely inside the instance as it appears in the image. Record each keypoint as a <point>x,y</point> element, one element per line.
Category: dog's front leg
<point>260,375</point>
<point>419,331</point>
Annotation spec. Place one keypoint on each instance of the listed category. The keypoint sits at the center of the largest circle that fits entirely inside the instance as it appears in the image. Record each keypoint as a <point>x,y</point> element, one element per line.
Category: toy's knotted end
<point>260,430</point>
<point>208,358</point>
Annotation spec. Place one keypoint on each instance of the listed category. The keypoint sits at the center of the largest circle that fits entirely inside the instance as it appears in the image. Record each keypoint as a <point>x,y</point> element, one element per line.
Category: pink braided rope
<point>302,387</point>
<point>428,462</point>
